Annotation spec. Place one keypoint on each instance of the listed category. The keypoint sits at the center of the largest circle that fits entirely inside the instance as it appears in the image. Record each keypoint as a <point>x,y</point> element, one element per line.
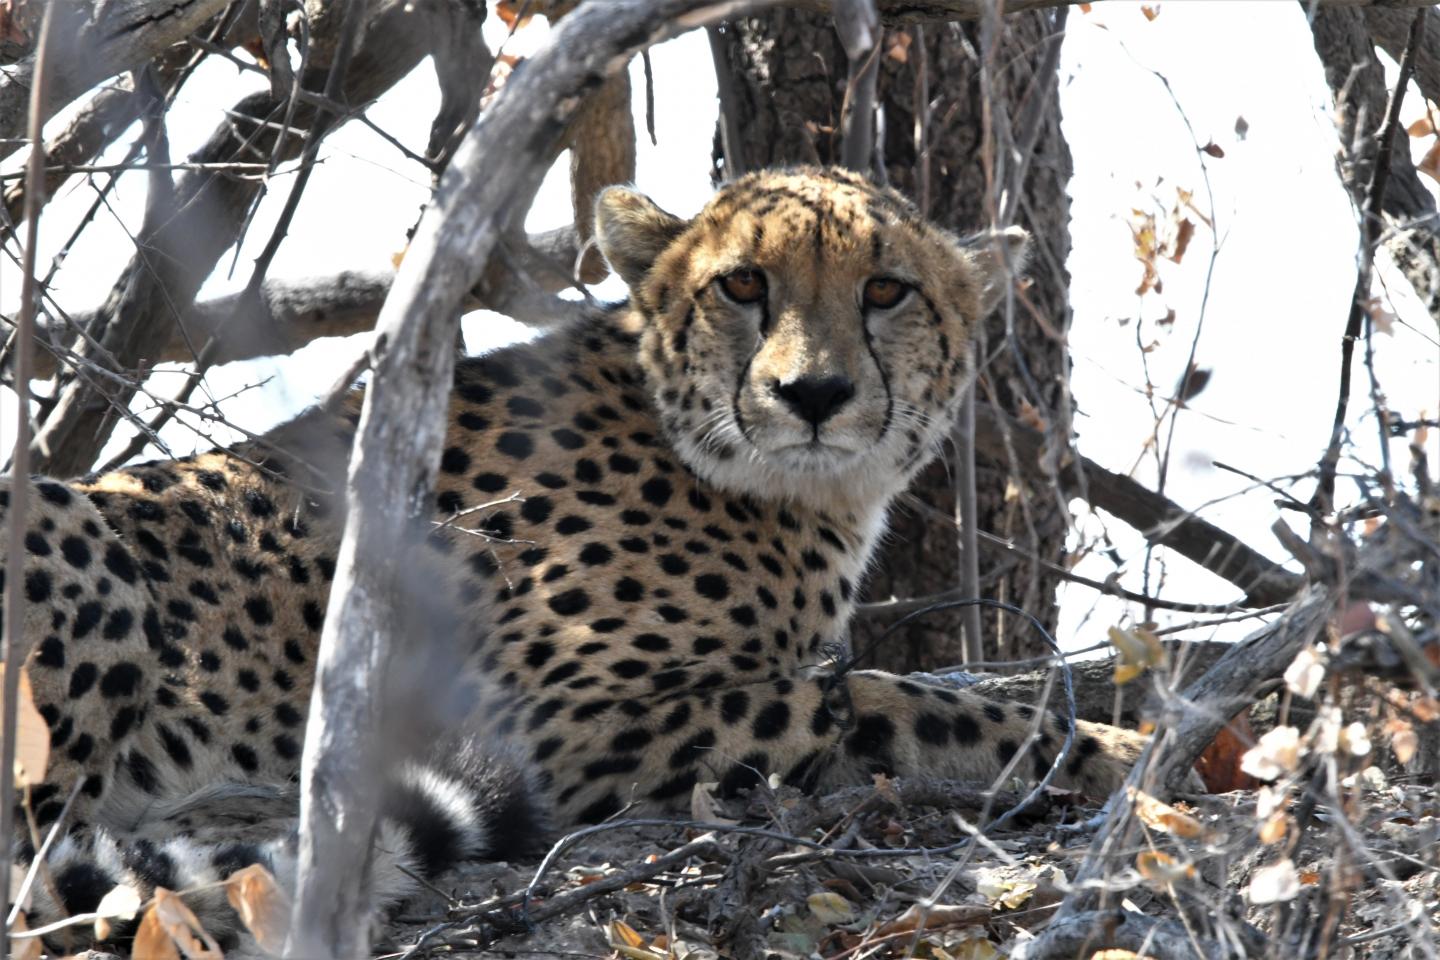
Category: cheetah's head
<point>807,335</point>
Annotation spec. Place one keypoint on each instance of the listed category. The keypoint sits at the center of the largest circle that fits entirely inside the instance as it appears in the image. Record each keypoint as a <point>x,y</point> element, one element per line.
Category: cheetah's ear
<point>998,257</point>
<point>632,232</point>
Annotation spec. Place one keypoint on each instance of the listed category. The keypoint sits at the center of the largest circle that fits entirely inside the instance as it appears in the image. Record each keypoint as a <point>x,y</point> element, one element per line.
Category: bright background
<point>1279,266</point>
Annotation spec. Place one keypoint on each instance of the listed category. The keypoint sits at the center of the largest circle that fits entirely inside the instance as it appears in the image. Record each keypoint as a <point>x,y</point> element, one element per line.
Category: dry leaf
<point>1277,753</point>
<point>26,948</point>
<point>1275,884</point>
<point>1421,128</point>
<point>1213,149</point>
<point>1136,650</point>
<point>1150,12</point>
<point>121,903</point>
<point>940,915</point>
<point>32,742</point>
<point>899,46</point>
<point>625,941</point>
<point>1162,869</point>
<point>1306,671</point>
<point>1184,231</point>
<point>704,806</point>
<point>1086,7</point>
<point>1430,163</point>
<point>830,908</point>
<point>1275,828</point>
<point>1403,739</point>
<point>1158,815</point>
<point>169,930</point>
<point>263,907</point>
<point>1003,892</point>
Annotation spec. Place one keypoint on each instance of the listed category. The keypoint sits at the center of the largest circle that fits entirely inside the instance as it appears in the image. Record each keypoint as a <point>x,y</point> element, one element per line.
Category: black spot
<point>175,746</point>
<point>693,749</point>
<point>448,501</point>
<point>234,639</point>
<point>37,586</point>
<point>570,603</point>
<point>259,610</point>
<point>37,544</point>
<point>50,653</point>
<point>1084,749</point>
<point>628,741</point>
<point>245,757</point>
<point>54,493</point>
<point>994,713</point>
<point>657,490</point>
<point>674,564</point>
<point>772,721</point>
<point>931,728</point>
<point>570,525</point>
<point>743,615</point>
<point>259,504</point>
<point>712,586</point>
<point>82,678</point>
<point>733,707</point>
<point>512,443</point>
<point>651,643</point>
<point>286,747</point>
<point>629,669</point>
<point>601,809</point>
<point>567,439</point>
<point>215,703</point>
<point>454,461</point>
<point>248,680</point>
<point>966,730</point>
<point>537,509</point>
<point>87,617</point>
<point>121,680</point>
<point>872,736</point>
<point>489,482</point>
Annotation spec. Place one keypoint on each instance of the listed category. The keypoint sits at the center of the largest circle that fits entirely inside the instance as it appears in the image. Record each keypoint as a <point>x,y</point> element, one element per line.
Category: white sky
<point>1282,273</point>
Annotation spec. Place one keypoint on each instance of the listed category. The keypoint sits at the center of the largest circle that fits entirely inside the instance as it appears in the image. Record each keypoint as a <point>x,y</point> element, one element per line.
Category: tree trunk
<point>787,72</point>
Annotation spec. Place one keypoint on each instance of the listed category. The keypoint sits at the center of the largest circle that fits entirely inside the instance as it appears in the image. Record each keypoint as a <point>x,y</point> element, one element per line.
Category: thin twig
<point>14,628</point>
<point>1372,221</point>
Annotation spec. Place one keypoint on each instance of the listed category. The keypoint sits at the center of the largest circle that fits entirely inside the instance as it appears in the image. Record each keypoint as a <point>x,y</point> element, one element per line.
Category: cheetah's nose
<point>815,399</point>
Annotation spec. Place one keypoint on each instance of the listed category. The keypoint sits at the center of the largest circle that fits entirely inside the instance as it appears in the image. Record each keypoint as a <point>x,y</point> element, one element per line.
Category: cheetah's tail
<point>472,805</point>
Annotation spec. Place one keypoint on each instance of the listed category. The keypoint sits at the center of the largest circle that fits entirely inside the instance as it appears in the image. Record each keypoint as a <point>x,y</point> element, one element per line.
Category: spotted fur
<point>652,527</point>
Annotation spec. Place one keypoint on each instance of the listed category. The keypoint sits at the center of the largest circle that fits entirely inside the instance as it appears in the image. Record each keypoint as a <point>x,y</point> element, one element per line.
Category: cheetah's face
<point>807,334</point>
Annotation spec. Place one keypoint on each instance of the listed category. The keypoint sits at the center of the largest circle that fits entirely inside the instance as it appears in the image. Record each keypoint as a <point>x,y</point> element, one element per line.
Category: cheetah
<point>651,528</point>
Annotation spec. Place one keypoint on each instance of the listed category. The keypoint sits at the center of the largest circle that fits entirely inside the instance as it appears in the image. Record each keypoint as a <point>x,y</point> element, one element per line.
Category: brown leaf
<point>1184,230</point>
<point>1190,385</point>
<point>263,907</point>
<point>1430,163</point>
<point>1423,127</point>
<point>26,948</point>
<point>1150,12</point>
<point>1213,149</point>
<point>940,915</point>
<point>1158,815</point>
<point>169,930</point>
<point>32,742</point>
<point>899,51</point>
<point>1219,765</point>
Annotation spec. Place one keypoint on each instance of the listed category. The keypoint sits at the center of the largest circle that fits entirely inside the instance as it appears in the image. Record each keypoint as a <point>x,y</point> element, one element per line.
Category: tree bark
<point>790,70</point>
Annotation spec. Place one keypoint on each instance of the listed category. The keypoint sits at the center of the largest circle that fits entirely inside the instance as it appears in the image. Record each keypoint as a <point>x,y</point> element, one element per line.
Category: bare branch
<point>858,25</point>
<point>211,209</point>
<point>1159,519</point>
<point>130,34</point>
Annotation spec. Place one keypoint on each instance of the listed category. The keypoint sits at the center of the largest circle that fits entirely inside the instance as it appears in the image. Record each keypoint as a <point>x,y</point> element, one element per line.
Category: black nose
<point>815,399</point>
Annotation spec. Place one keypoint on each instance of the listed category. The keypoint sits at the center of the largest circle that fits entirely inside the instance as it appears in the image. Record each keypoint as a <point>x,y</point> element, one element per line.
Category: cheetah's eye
<point>746,285</point>
<point>884,292</point>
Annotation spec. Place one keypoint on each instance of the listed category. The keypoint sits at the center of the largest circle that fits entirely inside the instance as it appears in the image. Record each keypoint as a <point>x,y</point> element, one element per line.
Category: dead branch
<point>1159,519</point>
<point>482,197</point>
<point>211,209</point>
<point>858,25</point>
<point>1371,224</point>
<point>1230,685</point>
<point>918,11</point>
<point>15,647</point>
<point>127,35</point>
